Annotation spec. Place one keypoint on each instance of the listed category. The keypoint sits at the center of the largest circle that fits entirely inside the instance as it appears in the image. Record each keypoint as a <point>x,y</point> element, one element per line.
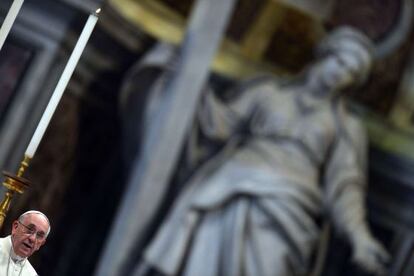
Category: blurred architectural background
<point>82,165</point>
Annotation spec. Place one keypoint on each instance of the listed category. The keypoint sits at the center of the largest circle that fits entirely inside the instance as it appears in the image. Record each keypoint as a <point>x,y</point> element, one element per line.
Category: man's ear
<point>15,225</point>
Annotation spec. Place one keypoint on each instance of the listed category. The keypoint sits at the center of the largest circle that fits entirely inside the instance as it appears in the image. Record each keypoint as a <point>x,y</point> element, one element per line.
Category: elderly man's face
<point>29,234</point>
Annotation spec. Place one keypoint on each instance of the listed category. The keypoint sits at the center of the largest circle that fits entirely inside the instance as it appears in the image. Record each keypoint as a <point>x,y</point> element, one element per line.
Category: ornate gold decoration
<point>235,59</point>
<point>13,184</point>
<point>257,39</point>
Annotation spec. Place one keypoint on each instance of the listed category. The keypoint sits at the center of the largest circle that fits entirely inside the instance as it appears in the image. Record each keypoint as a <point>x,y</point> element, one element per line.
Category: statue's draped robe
<point>253,208</point>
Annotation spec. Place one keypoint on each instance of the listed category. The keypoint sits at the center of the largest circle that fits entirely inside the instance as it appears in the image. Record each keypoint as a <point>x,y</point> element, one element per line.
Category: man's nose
<point>32,237</point>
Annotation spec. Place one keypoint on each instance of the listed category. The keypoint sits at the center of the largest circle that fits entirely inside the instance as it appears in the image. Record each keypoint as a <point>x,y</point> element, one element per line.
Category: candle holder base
<point>15,183</point>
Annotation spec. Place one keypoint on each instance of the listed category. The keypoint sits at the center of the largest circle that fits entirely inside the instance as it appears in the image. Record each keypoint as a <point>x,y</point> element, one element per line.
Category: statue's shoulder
<point>264,80</point>
<point>348,121</point>
<point>258,83</point>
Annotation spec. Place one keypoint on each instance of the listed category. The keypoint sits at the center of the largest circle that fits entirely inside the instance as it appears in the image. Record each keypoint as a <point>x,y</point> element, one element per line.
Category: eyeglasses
<point>30,230</point>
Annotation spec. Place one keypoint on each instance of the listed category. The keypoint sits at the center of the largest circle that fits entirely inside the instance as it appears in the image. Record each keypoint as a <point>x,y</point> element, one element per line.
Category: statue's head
<point>344,58</point>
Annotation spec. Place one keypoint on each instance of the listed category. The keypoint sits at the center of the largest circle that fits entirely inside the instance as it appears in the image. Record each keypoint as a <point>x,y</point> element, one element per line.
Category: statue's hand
<point>370,255</point>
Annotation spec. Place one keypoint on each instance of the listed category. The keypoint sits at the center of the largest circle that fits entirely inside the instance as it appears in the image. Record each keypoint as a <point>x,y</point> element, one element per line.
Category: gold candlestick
<point>13,184</point>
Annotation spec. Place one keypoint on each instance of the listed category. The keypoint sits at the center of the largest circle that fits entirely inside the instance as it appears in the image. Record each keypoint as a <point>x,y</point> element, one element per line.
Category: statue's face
<point>343,67</point>
<point>339,70</point>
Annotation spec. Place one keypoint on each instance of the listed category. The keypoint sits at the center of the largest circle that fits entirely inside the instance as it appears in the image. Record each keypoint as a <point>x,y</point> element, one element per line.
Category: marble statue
<point>292,155</point>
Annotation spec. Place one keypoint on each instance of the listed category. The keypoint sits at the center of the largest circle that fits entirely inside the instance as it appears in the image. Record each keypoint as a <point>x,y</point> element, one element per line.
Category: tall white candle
<point>9,20</point>
<point>60,87</point>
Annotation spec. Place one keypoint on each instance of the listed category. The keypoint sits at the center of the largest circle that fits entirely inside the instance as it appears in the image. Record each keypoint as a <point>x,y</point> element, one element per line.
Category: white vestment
<point>16,267</point>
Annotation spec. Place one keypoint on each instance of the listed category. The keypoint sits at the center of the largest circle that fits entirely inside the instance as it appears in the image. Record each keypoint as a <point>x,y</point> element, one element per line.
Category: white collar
<point>15,258</point>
